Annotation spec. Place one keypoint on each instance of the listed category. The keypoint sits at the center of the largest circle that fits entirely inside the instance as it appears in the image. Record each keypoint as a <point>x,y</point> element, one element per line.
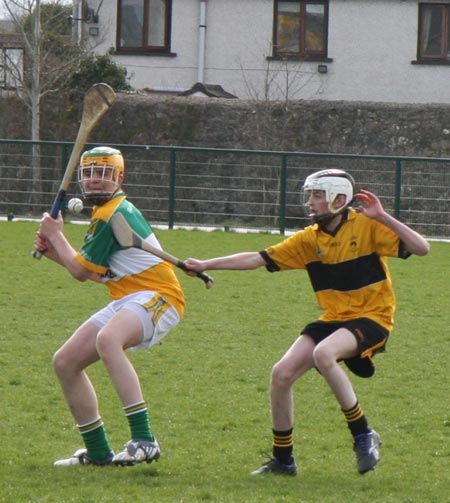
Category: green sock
<point>139,421</point>
<point>95,440</point>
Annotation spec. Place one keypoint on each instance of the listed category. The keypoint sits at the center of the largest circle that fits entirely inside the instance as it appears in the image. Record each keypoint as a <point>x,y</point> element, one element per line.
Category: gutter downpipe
<point>77,29</point>
<point>80,23</point>
<point>201,42</point>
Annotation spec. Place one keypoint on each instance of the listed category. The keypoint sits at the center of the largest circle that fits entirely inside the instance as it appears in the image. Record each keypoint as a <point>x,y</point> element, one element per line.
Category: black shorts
<point>371,337</point>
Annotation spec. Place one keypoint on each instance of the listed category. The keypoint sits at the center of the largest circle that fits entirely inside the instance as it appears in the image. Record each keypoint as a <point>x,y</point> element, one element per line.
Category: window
<point>300,29</point>
<point>144,26</point>
<point>434,43</point>
<point>11,68</point>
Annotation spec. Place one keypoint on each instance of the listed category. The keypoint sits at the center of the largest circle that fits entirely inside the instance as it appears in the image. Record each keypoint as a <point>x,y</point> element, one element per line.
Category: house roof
<point>207,90</point>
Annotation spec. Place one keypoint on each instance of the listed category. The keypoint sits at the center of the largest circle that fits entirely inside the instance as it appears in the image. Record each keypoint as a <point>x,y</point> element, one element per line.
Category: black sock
<point>283,445</point>
<point>356,420</point>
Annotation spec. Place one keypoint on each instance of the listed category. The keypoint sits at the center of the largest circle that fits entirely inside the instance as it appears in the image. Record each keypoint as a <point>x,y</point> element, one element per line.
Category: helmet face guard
<point>100,173</point>
<point>333,183</point>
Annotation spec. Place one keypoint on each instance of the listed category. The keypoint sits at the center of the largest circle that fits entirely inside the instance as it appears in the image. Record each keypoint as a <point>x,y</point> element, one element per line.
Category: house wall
<point>371,44</point>
<point>176,73</point>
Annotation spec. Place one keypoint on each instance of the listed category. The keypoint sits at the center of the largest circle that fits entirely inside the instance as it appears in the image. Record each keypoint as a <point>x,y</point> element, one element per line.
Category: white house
<point>353,50</point>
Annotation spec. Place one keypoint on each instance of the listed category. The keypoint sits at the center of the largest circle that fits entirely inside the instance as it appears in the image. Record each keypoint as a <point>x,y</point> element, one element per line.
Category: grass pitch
<point>207,387</point>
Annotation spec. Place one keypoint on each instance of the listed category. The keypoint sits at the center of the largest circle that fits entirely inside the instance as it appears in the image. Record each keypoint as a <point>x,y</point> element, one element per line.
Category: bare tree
<point>271,92</point>
<point>274,88</point>
<point>49,55</point>
<point>48,59</point>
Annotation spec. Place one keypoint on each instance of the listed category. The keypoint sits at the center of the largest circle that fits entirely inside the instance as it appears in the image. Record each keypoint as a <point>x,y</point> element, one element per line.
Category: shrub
<point>95,68</point>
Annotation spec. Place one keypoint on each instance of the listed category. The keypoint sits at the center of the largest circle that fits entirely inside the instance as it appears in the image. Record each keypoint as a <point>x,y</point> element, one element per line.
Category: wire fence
<point>220,188</point>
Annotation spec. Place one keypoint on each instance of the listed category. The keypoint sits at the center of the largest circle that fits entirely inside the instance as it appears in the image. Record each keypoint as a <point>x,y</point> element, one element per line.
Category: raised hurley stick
<point>97,101</point>
<point>126,237</point>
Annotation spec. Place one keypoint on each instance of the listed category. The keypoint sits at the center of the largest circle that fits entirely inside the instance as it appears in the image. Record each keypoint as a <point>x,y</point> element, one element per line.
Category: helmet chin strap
<point>325,218</point>
<point>98,199</point>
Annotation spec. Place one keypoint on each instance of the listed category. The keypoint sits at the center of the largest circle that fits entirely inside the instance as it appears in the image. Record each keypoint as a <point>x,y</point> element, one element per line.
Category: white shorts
<point>157,316</point>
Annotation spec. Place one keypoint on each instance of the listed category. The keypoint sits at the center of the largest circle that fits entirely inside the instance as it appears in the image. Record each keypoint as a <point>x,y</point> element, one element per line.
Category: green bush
<point>95,68</point>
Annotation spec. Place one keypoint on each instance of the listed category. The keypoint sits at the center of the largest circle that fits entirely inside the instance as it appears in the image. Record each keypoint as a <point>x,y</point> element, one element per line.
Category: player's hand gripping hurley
<point>97,101</point>
<point>126,237</point>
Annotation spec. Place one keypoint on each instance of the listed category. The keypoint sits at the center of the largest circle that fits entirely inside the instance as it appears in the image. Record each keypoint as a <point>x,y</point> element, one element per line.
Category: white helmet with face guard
<point>333,182</point>
<point>100,173</point>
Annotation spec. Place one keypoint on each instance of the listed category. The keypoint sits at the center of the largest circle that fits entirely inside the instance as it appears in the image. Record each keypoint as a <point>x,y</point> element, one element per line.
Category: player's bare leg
<point>297,360</point>
<point>342,345</point>
<point>125,330</point>
<point>122,331</point>
<point>69,363</point>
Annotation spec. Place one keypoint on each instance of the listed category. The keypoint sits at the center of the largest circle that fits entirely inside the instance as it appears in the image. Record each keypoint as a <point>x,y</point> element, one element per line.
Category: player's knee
<point>281,376</point>
<point>323,357</point>
<point>101,343</point>
<point>61,362</point>
<point>106,344</point>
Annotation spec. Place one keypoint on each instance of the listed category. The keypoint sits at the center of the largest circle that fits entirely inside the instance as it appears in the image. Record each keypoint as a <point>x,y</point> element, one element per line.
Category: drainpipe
<point>75,19</point>
<point>201,42</point>
<point>80,24</point>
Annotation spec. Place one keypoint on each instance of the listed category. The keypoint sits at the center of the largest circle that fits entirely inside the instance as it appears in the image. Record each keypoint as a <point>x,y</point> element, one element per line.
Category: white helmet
<point>333,182</point>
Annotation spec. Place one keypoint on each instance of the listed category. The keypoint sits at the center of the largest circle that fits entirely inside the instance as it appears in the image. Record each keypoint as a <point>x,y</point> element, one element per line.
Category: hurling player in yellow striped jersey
<point>345,253</point>
<point>146,303</point>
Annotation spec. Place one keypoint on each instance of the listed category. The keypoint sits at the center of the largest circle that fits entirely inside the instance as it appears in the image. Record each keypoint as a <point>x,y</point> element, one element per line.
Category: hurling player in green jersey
<point>344,252</point>
<point>146,302</point>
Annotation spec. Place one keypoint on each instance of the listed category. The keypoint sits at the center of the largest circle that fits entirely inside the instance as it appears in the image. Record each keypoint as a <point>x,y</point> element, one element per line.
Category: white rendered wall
<point>371,44</point>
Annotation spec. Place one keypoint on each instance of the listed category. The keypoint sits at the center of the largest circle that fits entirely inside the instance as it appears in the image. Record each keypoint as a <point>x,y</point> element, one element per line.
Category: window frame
<point>444,57</point>
<point>303,53</point>
<point>164,49</point>
<point>11,69</point>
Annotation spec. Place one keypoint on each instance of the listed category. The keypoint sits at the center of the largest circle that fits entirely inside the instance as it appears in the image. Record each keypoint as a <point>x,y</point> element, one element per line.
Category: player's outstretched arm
<point>237,262</point>
<point>372,207</point>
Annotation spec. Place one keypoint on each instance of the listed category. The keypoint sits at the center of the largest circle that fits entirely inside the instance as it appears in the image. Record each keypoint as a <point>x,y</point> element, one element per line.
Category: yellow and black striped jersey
<point>348,268</point>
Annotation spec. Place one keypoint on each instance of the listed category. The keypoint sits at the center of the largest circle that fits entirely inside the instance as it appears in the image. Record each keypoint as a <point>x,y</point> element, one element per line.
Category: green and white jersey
<point>127,270</point>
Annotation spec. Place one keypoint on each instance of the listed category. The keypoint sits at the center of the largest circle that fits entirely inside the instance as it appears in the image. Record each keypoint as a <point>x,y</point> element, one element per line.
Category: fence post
<point>398,188</point>
<point>172,183</point>
<point>283,177</point>
<point>64,162</point>
<point>64,159</point>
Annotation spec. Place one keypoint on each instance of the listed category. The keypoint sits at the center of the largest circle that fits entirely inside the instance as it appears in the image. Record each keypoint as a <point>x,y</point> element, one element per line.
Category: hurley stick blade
<point>127,238</point>
<point>122,231</point>
<point>97,101</point>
